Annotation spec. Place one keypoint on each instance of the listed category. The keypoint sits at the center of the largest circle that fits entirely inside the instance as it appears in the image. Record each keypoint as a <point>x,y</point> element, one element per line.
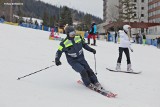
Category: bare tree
<point>127,12</point>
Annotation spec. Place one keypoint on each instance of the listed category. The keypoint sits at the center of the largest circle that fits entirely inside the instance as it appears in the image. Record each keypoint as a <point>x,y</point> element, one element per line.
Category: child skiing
<point>125,45</point>
<point>51,36</point>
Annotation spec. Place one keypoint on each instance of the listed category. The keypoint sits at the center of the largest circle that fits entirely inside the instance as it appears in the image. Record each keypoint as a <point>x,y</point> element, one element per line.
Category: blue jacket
<point>93,29</point>
<point>72,48</point>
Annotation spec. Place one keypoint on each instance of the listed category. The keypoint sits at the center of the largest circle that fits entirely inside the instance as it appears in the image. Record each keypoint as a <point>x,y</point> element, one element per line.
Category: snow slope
<point>23,51</point>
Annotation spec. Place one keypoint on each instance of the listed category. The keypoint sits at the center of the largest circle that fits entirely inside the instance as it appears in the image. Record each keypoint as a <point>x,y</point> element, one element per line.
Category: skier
<point>72,47</point>
<point>144,39</point>
<point>125,45</point>
<point>52,34</point>
<point>92,33</point>
<point>116,37</point>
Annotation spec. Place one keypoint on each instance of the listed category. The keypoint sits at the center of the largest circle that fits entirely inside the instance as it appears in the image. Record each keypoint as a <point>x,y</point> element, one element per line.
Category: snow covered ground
<point>24,50</point>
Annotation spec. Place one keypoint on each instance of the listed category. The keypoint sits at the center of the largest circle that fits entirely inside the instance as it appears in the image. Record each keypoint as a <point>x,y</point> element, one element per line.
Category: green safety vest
<point>68,43</point>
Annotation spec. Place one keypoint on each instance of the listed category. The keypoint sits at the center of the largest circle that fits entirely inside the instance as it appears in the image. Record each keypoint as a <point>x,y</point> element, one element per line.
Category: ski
<point>103,92</point>
<point>123,71</point>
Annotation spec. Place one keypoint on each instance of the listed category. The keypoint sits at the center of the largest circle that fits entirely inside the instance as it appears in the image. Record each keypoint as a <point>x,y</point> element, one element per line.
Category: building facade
<point>146,13</point>
<point>154,16</point>
<point>111,10</point>
<point>141,10</point>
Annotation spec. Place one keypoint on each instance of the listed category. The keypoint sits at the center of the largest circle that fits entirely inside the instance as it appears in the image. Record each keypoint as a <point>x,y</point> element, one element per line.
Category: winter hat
<point>70,30</point>
<point>126,28</point>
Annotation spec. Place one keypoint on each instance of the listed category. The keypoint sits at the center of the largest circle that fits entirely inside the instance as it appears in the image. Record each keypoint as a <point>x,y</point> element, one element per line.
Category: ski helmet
<point>126,28</point>
<point>70,30</point>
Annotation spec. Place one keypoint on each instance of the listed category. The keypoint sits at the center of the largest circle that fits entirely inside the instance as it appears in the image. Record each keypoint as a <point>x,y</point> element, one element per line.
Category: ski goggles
<point>73,33</point>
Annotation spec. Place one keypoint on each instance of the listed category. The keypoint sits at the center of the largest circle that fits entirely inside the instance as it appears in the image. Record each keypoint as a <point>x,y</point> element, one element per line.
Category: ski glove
<point>93,51</point>
<point>58,62</point>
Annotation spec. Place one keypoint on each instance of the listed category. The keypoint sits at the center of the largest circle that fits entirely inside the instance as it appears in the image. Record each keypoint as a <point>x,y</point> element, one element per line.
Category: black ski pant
<point>80,65</point>
<point>126,51</point>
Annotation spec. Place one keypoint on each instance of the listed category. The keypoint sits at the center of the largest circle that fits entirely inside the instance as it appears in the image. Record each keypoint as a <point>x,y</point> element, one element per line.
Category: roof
<point>132,24</point>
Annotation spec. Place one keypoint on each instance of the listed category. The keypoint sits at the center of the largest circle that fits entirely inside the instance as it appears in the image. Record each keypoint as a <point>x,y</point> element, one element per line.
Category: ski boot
<point>88,41</point>
<point>99,86</point>
<point>92,87</point>
<point>129,69</point>
<point>118,67</point>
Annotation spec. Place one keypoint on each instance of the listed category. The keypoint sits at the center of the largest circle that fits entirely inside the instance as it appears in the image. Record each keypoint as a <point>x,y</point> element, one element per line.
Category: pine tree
<point>45,19</point>
<point>66,16</point>
<point>87,21</point>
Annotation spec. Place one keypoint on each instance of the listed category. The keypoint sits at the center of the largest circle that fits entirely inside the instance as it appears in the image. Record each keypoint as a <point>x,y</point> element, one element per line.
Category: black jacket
<point>72,47</point>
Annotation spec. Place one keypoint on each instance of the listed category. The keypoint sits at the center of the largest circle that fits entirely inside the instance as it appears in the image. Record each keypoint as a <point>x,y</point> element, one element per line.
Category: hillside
<point>37,9</point>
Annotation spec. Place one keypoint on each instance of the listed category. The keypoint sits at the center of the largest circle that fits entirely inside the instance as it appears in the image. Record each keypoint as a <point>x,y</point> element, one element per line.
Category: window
<point>142,1</point>
<point>135,7</point>
<point>135,14</point>
<point>142,15</point>
<point>135,0</point>
<point>142,8</point>
<point>159,3</point>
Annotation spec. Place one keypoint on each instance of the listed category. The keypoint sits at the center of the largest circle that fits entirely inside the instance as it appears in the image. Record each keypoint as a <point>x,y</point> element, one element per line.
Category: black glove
<point>93,51</point>
<point>58,62</point>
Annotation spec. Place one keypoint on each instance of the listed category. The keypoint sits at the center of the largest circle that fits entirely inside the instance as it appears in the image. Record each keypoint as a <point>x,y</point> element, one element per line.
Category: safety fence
<point>148,41</point>
<point>27,25</point>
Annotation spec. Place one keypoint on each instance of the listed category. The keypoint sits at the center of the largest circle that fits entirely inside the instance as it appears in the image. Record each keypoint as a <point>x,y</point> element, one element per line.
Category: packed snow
<point>24,51</point>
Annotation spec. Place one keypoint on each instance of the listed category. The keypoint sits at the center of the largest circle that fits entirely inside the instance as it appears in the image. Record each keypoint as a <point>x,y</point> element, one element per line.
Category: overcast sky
<point>94,7</point>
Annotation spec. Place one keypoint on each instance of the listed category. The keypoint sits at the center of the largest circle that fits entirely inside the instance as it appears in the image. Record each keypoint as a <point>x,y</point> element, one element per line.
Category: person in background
<point>115,37</point>
<point>137,38</point>
<point>144,39</point>
<point>52,34</point>
<point>140,38</point>
<point>86,34</point>
<point>92,33</point>
<point>56,29</point>
<point>158,42</point>
<point>97,36</point>
<point>124,46</point>
<point>3,17</point>
<point>65,28</point>
<point>107,36</point>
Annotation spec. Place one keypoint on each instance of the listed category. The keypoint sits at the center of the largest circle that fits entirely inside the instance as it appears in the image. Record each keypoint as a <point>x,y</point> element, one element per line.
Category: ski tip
<point>79,81</point>
<point>112,96</point>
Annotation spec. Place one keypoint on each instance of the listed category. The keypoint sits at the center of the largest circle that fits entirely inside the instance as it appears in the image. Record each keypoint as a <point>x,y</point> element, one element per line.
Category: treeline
<point>51,15</point>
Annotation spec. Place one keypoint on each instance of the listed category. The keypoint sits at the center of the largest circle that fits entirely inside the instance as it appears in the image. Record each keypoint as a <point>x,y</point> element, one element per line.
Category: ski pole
<point>95,64</point>
<point>35,72</point>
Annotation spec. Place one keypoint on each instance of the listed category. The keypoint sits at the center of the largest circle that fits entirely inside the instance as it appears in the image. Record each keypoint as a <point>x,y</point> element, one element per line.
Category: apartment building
<point>111,12</point>
<point>147,15</point>
<point>111,9</point>
<point>141,10</point>
<point>154,16</point>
